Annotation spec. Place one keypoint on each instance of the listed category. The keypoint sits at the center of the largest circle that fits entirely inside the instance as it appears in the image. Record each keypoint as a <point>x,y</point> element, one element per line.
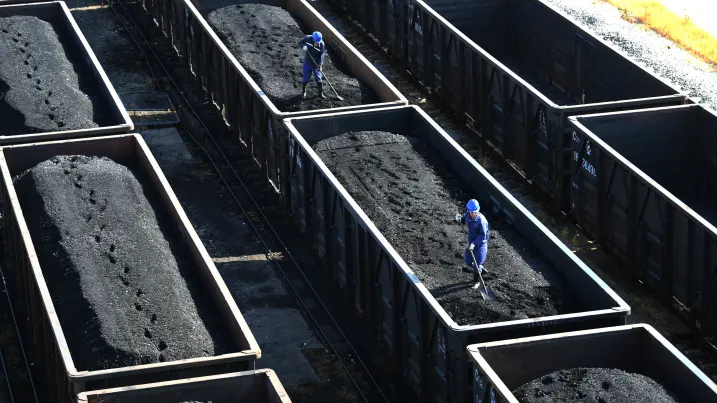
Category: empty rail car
<point>642,185</point>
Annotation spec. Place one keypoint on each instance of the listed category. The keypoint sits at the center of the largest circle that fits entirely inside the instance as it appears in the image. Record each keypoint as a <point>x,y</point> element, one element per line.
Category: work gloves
<point>304,48</point>
<point>472,247</point>
<point>458,217</point>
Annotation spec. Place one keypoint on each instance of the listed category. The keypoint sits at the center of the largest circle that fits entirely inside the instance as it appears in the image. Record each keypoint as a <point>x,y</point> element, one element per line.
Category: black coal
<point>406,190</point>
<point>264,39</point>
<point>124,291</point>
<point>599,385</point>
<point>39,87</point>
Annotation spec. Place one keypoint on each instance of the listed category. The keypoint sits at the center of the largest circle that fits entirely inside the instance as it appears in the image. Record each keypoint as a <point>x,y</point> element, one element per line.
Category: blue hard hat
<point>317,37</point>
<point>473,206</point>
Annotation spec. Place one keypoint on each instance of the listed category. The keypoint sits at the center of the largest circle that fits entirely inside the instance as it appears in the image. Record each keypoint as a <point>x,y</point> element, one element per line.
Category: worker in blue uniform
<point>314,48</point>
<point>478,234</point>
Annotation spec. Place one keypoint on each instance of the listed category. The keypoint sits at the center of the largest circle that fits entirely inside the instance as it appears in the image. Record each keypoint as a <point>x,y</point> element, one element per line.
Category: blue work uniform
<point>312,54</point>
<point>478,234</point>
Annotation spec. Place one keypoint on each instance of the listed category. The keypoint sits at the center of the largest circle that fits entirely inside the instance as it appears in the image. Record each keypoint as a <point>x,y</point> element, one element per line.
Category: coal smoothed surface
<point>39,87</point>
<point>599,385</point>
<point>264,39</point>
<point>406,190</point>
<point>122,287</point>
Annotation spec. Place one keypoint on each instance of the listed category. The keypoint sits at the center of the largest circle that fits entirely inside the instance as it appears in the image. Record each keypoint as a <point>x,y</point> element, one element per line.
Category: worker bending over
<point>477,238</point>
<point>315,49</point>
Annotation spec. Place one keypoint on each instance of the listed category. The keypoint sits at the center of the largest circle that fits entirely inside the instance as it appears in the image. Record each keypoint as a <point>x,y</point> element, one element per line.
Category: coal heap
<point>406,189</point>
<point>593,385</point>
<point>264,39</point>
<point>124,291</point>
<point>39,87</point>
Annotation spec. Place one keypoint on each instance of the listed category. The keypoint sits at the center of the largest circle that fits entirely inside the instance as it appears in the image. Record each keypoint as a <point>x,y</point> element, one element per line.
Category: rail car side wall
<point>260,386</point>
<point>406,324</point>
<point>500,104</point>
<point>57,13</point>
<point>503,366</point>
<point>54,371</point>
<point>220,79</point>
<point>642,206</point>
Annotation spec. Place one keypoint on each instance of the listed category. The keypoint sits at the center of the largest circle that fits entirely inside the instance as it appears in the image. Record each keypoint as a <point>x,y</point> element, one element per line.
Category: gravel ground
<point>593,385</point>
<point>264,39</point>
<point>39,87</point>
<point>124,295</point>
<point>646,47</point>
<point>405,189</point>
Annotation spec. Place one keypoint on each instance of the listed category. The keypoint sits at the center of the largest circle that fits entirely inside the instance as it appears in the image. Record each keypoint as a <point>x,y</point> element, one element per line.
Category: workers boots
<point>321,89</point>
<point>303,90</point>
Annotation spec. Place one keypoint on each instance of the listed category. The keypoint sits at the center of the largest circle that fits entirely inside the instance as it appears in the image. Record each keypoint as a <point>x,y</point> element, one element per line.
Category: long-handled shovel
<point>327,79</point>
<point>486,292</point>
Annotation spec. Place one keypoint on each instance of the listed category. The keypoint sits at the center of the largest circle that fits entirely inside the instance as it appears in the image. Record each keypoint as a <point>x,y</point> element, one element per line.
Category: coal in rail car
<point>243,95</point>
<point>598,364</point>
<point>376,192</point>
<point>110,280</point>
<point>54,87</point>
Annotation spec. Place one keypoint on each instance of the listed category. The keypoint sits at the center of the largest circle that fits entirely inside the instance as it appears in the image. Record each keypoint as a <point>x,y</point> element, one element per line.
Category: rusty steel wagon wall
<point>57,13</point>
<point>42,331</point>
<point>643,186</point>
<point>260,386</point>
<point>503,366</point>
<point>513,106</point>
<point>219,77</point>
<point>409,328</point>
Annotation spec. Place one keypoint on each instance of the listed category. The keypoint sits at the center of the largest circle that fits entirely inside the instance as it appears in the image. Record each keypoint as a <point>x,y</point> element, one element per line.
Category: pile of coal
<point>124,290</point>
<point>40,88</point>
<point>264,39</point>
<point>601,385</point>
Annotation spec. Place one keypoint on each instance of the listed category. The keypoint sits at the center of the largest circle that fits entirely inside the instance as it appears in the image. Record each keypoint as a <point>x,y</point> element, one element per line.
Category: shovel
<point>339,97</point>
<point>486,292</point>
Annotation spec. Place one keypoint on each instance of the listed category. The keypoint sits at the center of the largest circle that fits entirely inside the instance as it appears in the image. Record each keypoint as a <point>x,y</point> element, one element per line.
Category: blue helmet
<point>317,37</point>
<point>473,206</point>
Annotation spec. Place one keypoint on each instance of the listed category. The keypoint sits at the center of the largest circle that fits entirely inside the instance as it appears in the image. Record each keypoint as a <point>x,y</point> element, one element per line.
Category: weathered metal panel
<point>411,330</point>
<point>260,386</point>
<point>39,325</point>
<point>642,186</point>
<point>502,366</point>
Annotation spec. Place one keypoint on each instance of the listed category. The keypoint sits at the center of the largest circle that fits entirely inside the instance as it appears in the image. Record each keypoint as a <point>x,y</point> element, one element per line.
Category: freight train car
<point>43,44</point>
<point>513,70</point>
<point>408,289</point>
<point>260,386</point>
<point>601,364</point>
<point>243,101</point>
<point>98,303</point>
<point>643,186</point>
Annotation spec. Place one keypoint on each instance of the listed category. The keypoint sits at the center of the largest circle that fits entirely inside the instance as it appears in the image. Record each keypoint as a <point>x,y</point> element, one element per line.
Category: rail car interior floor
<point>593,385</point>
<point>42,85</point>
<point>264,39</point>
<point>124,288</point>
<point>405,189</point>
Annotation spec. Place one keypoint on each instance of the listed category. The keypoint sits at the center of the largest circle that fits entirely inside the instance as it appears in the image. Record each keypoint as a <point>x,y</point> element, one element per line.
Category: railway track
<point>254,201</point>
<point>202,123</point>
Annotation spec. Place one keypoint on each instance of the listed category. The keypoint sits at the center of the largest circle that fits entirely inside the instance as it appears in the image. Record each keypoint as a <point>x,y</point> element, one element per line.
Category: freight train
<point>568,109</point>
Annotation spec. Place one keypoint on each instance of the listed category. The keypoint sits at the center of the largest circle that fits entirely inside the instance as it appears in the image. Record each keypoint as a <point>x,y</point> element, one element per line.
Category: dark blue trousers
<point>308,70</point>
<point>480,252</point>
